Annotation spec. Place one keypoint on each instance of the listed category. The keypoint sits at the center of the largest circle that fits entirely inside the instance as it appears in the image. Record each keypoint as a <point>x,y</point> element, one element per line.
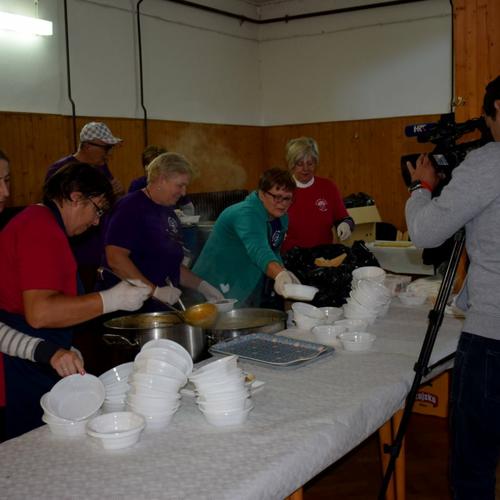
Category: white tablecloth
<point>305,418</point>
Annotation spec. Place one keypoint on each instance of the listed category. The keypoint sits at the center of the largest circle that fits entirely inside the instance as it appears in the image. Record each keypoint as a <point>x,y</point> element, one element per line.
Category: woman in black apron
<point>39,291</point>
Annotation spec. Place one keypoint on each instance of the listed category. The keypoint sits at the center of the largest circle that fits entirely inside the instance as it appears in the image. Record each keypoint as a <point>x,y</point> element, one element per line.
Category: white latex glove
<point>209,291</point>
<point>168,294</point>
<point>283,278</point>
<point>343,231</point>
<point>124,296</point>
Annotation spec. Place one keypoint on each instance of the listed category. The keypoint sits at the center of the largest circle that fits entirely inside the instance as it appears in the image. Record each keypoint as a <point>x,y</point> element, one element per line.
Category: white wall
<point>201,67</point>
<point>391,61</point>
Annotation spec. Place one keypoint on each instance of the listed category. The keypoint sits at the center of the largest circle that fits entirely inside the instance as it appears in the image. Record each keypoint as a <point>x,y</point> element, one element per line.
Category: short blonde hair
<point>167,164</point>
<point>298,148</point>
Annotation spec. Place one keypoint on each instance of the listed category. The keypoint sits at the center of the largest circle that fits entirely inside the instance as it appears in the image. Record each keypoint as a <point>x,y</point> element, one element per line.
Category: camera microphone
<point>419,129</point>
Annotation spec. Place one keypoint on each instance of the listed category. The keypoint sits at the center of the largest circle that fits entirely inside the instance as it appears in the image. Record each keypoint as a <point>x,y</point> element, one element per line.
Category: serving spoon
<point>202,315</point>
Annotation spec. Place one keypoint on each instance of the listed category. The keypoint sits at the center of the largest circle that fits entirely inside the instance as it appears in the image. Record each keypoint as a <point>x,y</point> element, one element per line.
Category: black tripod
<point>421,366</point>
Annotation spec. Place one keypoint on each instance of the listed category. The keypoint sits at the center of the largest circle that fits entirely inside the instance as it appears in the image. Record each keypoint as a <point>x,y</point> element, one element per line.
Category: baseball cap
<point>98,130</point>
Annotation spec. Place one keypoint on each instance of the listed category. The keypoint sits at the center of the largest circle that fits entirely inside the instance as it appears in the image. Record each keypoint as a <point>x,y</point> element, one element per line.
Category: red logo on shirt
<point>322,204</point>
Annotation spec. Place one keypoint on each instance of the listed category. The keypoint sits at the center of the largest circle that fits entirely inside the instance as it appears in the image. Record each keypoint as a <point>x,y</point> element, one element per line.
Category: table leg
<point>296,495</point>
<point>400,468</point>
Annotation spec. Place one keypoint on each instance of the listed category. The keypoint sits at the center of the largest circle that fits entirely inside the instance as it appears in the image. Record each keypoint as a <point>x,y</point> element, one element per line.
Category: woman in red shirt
<point>318,206</point>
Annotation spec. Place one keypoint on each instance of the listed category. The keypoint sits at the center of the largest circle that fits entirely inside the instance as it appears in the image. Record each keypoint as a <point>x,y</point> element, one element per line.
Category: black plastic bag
<point>333,283</point>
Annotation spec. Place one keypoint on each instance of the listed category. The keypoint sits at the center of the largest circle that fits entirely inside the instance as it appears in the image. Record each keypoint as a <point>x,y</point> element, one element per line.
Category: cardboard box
<point>365,219</point>
<point>433,396</point>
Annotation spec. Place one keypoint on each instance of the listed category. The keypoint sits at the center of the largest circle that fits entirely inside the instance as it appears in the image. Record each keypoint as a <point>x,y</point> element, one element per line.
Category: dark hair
<point>492,95</point>
<point>276,177</point>
<point>150,153</point>
<point>3,156</point>
<point>77,177</point>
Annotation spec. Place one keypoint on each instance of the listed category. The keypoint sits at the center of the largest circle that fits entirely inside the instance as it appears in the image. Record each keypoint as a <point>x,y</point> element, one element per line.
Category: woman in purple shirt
<point>143,239</point>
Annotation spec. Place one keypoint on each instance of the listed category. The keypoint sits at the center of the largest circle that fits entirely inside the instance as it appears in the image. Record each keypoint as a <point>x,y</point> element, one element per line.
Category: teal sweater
<point>237,253</point>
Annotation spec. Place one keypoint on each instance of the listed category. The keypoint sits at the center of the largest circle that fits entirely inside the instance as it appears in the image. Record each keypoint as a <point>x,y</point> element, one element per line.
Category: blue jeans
<point>475,418</point>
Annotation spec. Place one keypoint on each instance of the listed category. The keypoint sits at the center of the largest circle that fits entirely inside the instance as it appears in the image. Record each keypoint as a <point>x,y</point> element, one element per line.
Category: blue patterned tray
<point>271,349</point>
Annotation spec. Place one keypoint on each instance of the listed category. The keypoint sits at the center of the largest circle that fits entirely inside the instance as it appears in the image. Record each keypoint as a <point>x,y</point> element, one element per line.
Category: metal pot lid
<point>143,321</point>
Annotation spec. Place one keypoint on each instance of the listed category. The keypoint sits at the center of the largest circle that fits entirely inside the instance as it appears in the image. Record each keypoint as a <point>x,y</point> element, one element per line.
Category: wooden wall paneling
<point>32,142</point>
<point>476,53</point>
<point>224,156</point>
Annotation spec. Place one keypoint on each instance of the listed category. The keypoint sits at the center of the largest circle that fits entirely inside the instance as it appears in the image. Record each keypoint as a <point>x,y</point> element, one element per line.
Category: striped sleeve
<point>18,344</point>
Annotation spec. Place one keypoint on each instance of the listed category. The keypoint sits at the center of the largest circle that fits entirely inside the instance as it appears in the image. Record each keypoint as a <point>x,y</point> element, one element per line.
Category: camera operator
<point>471,199</point>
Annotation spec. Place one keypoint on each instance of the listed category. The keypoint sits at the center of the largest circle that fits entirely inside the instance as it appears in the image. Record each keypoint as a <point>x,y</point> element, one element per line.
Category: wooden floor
<point>357,476</point>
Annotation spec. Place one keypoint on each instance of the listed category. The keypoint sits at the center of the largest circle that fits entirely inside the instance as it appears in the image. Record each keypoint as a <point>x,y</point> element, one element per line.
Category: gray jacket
<point>471,199</point>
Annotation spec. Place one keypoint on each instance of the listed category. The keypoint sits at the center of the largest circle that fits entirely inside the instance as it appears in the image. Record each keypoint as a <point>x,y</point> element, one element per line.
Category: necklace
<point>148,193</point>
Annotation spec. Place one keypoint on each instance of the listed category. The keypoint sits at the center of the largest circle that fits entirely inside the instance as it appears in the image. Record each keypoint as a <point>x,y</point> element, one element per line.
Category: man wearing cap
<point>96,143</point>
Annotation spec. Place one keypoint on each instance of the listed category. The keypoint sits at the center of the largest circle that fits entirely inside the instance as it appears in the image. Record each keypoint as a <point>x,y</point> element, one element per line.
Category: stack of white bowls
<point>368,299</point>
<point>71,403</point>
<point>160,371</point>
<point>116,385</point>
<point>222,395</point>
<point>307,316</point>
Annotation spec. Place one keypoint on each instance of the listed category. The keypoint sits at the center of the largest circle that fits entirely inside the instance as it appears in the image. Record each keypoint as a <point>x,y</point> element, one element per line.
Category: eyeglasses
<point>98,210</point>
<point>280,199</point>
<point>106,147</point>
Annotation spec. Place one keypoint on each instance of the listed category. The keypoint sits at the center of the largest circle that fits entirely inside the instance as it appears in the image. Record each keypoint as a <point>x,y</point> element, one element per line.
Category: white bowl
<point>110,407</point>
<point>158,367</point>
<point>76,397</point>
<point>308,310</point>
<point>327,334</point>
<point>152,405</point>
<point>158,383</point>
<point>117,374</point>
<point>223,365</point>
<point>224,305</point>
<point>231,384</point>
<point>373,273</point>
<point>228,418</point>
<point>218,405</point>
<point>116,430</point>
<point>352,325</point>
<point>410,299</point>
<point>299,292</point>
<point>357,341</point>
<point>167,344</point>
<point>70,428</point>
<point>168,356</point>
<point>331,314</point>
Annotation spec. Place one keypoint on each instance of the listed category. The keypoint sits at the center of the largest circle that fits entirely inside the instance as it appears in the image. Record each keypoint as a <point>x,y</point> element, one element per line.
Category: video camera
<point>444,135</point>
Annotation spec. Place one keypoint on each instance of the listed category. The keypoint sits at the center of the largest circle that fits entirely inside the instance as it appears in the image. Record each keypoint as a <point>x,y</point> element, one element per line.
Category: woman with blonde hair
<point>143,238</point>
<point>318,206</point>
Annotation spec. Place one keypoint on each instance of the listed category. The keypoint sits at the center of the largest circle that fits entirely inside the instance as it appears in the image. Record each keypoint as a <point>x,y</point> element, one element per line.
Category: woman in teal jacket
<point>244,245</point>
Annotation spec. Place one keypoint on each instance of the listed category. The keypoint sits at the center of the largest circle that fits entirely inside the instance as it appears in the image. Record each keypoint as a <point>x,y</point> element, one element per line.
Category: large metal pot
<point>137,329</point>
<point>244,321</point>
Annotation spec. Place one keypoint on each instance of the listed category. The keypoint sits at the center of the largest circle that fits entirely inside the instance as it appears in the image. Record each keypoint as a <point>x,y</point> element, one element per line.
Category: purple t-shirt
<point>151,232</point>
<point>71,159</point>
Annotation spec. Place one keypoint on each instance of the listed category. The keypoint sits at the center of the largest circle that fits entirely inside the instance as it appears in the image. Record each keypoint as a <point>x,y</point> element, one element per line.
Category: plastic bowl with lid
<point>357,341</point>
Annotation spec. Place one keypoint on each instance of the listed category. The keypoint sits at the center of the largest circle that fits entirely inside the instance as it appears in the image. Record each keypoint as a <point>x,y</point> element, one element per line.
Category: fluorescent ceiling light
<point>25,24</point>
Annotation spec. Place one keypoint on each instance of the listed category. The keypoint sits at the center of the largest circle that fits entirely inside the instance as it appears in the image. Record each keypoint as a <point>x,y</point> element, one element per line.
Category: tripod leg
<point>385,438</point>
